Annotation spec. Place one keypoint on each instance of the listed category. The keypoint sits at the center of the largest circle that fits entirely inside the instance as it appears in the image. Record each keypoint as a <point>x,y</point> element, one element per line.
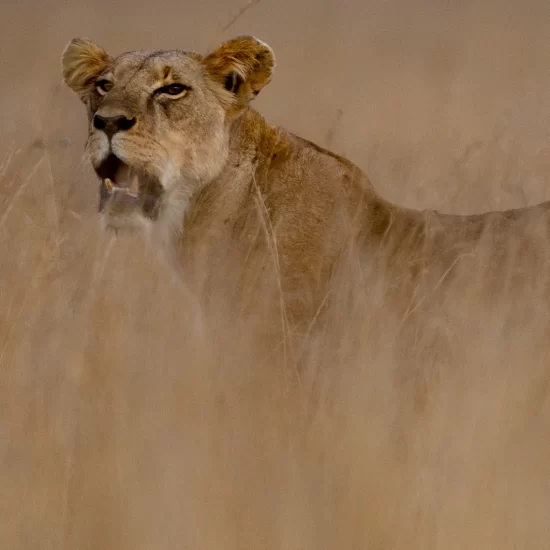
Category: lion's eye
<point>173,89</point>
<point>103,86</point>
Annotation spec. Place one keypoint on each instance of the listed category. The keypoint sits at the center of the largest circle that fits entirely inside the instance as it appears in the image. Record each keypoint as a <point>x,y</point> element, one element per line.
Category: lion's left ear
<point>242,66</point>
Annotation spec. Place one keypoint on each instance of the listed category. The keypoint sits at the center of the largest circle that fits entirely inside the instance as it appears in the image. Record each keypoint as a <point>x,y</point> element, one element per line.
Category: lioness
<point>181,154</point>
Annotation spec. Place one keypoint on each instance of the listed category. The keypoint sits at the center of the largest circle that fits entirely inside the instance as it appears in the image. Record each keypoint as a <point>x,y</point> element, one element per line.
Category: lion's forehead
<point>150,66</point>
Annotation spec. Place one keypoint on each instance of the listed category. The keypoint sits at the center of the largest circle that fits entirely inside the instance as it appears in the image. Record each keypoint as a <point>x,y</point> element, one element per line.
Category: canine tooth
<point>134,187</point>
<point>108,184</point>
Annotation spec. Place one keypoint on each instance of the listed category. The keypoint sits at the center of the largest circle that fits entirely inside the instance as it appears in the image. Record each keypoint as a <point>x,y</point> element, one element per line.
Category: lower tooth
<point>108,184</point>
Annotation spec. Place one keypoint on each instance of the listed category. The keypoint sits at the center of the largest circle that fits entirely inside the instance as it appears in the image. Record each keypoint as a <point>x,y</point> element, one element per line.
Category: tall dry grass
<point>130,417</point>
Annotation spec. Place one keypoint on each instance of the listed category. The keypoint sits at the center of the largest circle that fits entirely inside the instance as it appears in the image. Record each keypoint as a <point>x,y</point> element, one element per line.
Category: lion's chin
<point>122,213</point>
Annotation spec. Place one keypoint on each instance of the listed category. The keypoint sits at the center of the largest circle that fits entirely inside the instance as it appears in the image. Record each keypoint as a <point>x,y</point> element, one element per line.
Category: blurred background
<point>125,423</point>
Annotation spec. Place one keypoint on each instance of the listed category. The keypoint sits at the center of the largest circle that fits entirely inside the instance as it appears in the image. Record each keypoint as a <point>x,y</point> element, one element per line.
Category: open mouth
<point>128,187</point>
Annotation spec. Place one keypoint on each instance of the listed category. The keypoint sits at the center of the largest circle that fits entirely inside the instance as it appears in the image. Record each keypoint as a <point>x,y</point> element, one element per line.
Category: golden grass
<point>130,418</point>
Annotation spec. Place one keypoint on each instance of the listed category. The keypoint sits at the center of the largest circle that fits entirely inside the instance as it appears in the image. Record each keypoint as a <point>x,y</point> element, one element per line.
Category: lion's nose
<point>113,124</point>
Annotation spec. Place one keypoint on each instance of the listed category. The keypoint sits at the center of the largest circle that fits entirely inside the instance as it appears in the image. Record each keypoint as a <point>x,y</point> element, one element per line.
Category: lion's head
<point>159,121</point>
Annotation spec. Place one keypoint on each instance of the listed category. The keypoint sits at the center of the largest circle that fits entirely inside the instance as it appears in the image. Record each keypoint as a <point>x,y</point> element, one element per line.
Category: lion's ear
<point>242,66</point>
<point>83,61</point>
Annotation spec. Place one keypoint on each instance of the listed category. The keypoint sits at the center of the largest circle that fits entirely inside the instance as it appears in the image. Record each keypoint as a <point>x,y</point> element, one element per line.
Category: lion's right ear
<point>83,61</point>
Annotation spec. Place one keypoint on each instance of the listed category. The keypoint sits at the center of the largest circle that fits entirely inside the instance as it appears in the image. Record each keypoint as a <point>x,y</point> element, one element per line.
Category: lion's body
<point>294,208</point>
<point>228,180</point>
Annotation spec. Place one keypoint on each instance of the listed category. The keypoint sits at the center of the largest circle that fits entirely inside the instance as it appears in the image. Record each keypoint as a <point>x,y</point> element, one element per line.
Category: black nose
<point>112,125</point>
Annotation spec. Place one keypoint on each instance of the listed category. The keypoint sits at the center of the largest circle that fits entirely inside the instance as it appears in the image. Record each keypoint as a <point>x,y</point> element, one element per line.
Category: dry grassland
<point>131,419</point>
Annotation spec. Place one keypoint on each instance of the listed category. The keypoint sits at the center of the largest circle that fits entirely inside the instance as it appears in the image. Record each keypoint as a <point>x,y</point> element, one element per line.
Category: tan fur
<point>234,182</point>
